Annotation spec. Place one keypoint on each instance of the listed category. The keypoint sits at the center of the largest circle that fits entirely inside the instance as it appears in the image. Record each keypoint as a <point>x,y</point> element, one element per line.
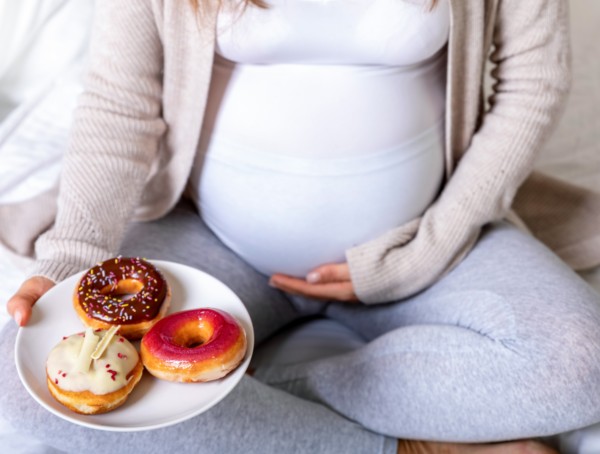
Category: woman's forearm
<point>532,74</point>
<point>113,143</point>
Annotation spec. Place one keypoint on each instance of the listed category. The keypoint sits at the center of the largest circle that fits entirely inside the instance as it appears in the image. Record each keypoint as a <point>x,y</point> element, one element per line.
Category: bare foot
<point>513,447</point>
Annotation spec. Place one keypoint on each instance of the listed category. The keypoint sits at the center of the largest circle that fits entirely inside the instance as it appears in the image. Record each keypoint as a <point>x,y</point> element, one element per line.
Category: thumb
<point>19,306</point>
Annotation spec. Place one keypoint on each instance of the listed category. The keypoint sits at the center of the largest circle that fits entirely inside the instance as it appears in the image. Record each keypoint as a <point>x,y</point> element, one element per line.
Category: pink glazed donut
<point>198,345</point>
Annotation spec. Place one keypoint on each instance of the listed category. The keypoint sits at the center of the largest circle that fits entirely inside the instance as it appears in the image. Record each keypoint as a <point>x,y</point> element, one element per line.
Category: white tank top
<point>324,127</point>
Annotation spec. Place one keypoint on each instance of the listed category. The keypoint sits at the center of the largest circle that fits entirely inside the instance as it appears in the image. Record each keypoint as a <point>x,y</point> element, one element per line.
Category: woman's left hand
<point>327,282</point>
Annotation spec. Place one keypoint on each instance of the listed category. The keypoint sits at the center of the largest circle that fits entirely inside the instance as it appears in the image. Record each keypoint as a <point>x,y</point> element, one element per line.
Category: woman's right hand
<point>21,303</point>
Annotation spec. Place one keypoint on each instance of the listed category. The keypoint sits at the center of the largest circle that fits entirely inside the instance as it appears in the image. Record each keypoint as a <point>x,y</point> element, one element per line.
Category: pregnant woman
<point>333,157</point>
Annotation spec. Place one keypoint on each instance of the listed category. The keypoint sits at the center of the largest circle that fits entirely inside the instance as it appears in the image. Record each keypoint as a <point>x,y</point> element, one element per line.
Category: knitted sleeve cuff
<point>53,270</point>
<point>406,261</point>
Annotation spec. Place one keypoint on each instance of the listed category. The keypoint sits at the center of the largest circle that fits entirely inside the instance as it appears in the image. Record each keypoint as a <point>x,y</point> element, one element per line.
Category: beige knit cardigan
<point>137,127</point>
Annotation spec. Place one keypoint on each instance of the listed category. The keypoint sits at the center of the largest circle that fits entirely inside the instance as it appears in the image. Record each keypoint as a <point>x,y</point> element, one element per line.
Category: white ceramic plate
<point>153,403</point>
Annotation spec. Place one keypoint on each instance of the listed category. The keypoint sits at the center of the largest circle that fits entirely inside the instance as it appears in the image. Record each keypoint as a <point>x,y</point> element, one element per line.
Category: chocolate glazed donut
<point>130,292</point>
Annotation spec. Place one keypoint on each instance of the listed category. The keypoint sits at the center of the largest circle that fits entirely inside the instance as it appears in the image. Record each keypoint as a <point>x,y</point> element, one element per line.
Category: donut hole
<point>125,289</point>
<point>193,334</point>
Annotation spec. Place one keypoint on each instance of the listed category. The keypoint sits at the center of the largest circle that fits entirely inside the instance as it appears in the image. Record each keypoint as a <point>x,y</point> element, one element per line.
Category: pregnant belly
<point>290,215</point>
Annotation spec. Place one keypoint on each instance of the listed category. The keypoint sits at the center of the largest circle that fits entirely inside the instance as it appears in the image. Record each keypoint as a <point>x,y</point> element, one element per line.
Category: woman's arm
<point>532,77</point>
<point>114,140</point>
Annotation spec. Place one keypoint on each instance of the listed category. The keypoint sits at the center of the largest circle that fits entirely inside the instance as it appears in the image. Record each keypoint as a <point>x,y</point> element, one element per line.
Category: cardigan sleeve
<point>113,141</point>
<point>532,77</point>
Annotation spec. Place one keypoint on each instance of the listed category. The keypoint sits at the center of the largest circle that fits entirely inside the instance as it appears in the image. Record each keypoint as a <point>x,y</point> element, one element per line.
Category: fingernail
<point>313,278</point>
<point>18,318</point>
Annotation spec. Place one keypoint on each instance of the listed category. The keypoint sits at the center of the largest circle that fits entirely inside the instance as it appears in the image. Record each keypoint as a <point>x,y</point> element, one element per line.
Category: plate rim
<point>233,382</point>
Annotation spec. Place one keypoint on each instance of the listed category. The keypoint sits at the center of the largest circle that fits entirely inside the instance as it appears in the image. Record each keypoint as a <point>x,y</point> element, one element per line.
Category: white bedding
<point>32,140</point>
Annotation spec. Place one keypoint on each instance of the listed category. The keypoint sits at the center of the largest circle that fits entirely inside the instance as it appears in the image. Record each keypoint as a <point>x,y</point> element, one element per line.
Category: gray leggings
<point>505,346</point>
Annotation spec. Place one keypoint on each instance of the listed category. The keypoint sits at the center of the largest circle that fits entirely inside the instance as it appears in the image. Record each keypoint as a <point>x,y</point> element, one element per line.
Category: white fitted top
<point>324,127</point>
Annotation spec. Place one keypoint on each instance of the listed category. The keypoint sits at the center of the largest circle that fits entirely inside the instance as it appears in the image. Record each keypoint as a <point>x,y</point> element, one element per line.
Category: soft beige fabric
<point>573,151</point>
<point>139,120</point>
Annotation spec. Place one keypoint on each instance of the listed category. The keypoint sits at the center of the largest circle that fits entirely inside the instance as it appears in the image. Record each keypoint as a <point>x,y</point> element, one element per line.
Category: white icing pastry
<point>105,375</point>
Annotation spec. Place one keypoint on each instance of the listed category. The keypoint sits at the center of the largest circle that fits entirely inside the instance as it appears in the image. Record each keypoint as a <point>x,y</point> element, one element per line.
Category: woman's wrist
<point>52,270</point>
